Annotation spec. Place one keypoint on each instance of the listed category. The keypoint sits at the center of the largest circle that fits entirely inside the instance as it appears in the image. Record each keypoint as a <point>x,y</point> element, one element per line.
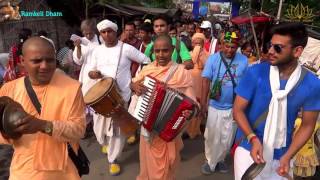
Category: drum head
<point>98,90</point>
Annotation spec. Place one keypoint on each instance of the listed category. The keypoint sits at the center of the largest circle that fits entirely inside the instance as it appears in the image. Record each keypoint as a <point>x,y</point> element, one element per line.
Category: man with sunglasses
<point>223,70</point>
<point>268,100</point>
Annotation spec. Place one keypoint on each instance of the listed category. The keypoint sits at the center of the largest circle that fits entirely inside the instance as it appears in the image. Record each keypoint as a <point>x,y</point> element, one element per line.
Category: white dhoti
<point>109,134</point>
<point>219,135</point>
<point>243,160</point>
<point>89,115</point>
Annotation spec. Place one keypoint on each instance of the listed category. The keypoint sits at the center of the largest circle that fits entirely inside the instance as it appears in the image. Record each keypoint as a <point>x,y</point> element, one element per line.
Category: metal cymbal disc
<point>253,171</point>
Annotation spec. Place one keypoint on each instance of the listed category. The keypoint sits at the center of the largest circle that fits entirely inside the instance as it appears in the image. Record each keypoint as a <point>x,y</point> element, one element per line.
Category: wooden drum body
<point>104,98</point>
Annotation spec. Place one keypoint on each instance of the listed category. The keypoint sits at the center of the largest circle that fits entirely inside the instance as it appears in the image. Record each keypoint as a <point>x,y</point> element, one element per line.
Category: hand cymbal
<point>12,113</point>
<point>253,171</point>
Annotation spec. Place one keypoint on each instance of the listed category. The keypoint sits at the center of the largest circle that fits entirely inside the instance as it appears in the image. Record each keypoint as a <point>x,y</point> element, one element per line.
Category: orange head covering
<point>198,35</point>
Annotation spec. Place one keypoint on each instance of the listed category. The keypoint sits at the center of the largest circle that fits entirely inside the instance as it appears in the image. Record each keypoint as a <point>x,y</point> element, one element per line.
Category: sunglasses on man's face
<point>277,47</point>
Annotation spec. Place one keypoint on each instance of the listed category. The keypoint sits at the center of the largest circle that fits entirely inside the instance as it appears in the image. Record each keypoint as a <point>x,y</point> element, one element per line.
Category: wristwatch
<point>48,128</point>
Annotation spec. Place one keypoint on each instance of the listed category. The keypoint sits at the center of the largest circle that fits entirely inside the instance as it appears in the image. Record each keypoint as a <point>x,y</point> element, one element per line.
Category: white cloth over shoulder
<point>275,132</point>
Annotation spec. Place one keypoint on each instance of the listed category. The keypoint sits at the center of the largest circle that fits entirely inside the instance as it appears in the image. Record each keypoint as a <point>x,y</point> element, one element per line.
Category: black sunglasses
<point>277,47</point>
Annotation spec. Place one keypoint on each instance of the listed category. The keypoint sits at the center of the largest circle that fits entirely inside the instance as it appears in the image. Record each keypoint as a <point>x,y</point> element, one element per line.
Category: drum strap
<point>119,59</point>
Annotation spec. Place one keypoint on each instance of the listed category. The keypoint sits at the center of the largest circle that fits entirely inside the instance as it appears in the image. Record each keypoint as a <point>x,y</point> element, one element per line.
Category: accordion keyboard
<point>144,100</point>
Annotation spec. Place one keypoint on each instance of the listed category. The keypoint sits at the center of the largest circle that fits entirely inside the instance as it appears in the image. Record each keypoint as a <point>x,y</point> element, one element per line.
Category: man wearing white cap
<point>113,59</point>
<point>211,42</point>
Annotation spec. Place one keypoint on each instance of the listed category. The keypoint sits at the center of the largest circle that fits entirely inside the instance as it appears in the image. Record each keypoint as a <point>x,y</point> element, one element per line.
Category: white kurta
<point>84,61</point>
<point>105,59</point>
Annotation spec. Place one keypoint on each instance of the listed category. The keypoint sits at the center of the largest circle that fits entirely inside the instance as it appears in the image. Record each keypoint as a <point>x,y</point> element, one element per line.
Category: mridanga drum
<point>105,99</point>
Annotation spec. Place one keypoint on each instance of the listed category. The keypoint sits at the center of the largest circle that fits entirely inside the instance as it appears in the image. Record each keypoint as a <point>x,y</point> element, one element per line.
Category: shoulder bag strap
<point>35,101</point>
<point>179,60</point>
<point>230,74</point>
<point>121,47</point>
<point>32,95</point>
<point>228,68</point>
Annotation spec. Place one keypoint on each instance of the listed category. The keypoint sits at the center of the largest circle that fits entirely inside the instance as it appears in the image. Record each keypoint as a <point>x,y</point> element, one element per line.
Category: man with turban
<point>113,59</point>
<point>223,70</point>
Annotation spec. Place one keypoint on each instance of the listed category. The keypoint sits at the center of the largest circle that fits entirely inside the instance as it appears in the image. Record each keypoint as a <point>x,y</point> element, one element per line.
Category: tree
<point>158,3</point>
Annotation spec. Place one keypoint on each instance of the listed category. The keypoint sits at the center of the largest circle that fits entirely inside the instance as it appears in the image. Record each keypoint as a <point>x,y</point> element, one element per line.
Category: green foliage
<point>157,3</point>
<point>129,2</point>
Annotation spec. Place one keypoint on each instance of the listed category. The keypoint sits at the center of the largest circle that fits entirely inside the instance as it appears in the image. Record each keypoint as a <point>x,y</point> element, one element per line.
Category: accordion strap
<point>170,73</point>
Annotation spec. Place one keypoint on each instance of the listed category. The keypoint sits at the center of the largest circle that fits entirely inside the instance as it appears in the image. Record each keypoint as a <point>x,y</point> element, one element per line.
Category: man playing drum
<point>113,59</point>
<point>158,158</point>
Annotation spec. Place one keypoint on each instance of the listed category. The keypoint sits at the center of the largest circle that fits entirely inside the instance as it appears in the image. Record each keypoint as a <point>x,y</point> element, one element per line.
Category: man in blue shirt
<point>279,89</point>
<point>223,70</point>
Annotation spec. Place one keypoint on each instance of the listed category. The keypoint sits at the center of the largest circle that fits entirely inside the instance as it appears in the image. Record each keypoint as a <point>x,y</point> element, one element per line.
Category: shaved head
<point>36,42</point>
<point>164,37</point>
<point>163,49</point>
<point>39,60</point>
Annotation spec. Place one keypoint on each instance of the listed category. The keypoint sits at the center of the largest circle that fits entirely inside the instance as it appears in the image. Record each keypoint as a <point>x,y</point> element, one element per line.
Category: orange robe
<point>199,58</point>
<point>40,156</point>
<point>159,159</point>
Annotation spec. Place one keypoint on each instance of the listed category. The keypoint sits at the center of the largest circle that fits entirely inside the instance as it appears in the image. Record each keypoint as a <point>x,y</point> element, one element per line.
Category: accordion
<point>160,109</point>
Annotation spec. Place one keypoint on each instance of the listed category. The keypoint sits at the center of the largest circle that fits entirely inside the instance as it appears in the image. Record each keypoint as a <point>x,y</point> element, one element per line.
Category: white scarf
<point>275,132</point>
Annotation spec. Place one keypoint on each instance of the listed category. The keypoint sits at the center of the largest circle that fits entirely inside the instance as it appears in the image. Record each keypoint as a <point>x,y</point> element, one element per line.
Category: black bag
<point>215,92</point>
<point>81,160</point>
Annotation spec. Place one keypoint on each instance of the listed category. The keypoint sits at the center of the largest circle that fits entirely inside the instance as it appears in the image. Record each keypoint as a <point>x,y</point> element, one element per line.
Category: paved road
<point>192,154</point>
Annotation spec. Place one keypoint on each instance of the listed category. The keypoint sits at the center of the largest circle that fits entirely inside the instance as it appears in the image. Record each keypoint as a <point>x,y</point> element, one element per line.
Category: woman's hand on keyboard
<point>138,88</point>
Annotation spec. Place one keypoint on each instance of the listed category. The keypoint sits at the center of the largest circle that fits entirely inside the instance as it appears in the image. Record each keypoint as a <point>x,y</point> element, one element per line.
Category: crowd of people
<point>247,103</point>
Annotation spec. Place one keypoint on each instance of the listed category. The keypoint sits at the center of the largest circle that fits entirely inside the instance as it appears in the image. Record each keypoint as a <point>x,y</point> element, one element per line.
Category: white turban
<point>107,24</point>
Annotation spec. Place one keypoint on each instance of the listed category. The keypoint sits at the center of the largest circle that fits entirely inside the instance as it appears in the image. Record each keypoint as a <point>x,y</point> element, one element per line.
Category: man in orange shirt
<point>41,152</point>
